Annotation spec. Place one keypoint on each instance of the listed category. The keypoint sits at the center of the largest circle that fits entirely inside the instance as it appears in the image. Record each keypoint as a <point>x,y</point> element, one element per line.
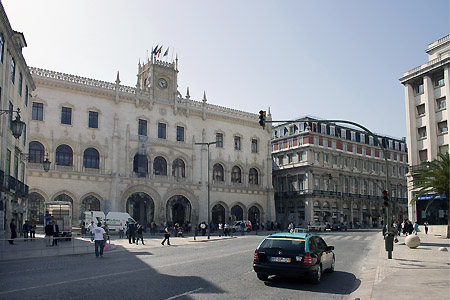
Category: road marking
<point>357,237</point>
<point>368,238</point>
<point>185,294</point>
<point>347,237</point>
<point>118,273</point>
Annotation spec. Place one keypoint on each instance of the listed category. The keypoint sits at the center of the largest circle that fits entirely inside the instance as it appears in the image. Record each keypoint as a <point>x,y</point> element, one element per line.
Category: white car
<point>236,226</point>
<point>318,226</point>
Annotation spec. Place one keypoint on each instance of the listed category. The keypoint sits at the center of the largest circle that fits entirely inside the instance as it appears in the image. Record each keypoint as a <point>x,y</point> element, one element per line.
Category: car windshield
<point>297,245</point>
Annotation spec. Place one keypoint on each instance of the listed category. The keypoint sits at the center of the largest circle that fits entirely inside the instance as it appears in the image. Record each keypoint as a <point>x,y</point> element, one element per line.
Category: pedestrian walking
<point>13,228</point>
<point>242,227</point>
<point>140,234</point>
<point>55,233</point>
<point>99,240</point>
<point>203,228</point>
<point>121,232</point>
<point>220,227</point>
<point>48,235</point>
<point>227,229</point>
<point>91,230</point>
<point>426,227</point>
<point>416,228</point>
<point>166,235</point>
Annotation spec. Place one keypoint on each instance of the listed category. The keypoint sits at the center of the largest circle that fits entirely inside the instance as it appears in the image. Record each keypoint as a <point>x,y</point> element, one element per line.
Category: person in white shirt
<point>91,229</point>
<point>99,238</point>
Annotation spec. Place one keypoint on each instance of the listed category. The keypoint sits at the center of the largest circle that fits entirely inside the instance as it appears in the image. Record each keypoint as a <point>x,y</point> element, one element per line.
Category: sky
<point>324,58</point>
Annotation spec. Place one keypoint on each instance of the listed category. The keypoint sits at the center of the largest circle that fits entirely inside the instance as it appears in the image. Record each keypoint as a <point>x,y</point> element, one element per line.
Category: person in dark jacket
<point>140,234</point>
<point>49,234</point>
<point>166,235</point>
<point>13,228</point>
<point>131,232</point>
<point>55,233</point>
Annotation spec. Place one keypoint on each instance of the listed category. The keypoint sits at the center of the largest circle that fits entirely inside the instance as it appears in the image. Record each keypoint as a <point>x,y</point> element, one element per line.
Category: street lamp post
<point>209,223</point>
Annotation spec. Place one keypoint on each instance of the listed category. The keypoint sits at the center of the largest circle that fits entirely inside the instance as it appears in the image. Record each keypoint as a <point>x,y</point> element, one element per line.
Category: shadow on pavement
<point>435,244</point>
<point>338,282</point>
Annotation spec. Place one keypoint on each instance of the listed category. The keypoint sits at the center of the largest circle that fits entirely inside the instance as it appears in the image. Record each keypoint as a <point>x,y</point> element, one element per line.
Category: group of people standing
<point>28,229</point>
<point>406,227</point>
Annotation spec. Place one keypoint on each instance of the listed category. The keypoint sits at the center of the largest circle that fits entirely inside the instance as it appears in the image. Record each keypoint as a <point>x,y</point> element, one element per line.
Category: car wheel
<point>331,269</point>
<point>261,276</point>
<point>317,276</point>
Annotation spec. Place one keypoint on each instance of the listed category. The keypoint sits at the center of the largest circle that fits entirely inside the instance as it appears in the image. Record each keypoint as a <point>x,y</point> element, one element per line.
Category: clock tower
<point>158,79</point>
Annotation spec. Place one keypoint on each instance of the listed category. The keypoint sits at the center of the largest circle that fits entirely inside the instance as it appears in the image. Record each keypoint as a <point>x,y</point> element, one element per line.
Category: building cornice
<point>425,68</point>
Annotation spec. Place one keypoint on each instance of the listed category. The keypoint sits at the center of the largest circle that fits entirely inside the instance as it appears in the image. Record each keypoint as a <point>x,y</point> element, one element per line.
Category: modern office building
<point>16,85</point>
<point>135,149</point>
<point>332,173</point>
<point>427,88</point>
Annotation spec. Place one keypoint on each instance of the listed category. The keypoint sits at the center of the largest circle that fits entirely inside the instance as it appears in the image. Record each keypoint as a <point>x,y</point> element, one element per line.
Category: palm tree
<point>433,178</point>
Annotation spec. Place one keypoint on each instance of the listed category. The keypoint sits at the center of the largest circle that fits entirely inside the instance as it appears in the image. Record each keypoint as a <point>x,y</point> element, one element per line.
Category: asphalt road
<point>207,270</point>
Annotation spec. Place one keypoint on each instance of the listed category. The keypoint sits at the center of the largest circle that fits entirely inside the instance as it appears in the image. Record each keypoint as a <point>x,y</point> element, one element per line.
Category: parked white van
<point>117,220</point>
<point>96,216</point>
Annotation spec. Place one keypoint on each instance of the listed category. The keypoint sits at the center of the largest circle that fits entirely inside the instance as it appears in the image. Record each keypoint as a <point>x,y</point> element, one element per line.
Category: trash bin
<point>389,243</point>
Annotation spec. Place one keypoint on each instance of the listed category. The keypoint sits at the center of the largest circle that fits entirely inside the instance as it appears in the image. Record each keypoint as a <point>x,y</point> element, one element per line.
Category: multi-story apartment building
<point>16,85</point>
<point>133,149</point>
<point>332,173</point>
<point>427,88</point>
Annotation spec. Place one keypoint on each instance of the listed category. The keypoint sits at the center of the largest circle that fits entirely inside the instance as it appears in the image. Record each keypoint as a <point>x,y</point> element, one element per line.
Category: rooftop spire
<point>187,94</point>
<point>117,79</point>
<point>204,97</point>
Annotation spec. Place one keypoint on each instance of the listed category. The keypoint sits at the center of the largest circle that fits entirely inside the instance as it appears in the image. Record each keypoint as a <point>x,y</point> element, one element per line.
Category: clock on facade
<point>162,83</point>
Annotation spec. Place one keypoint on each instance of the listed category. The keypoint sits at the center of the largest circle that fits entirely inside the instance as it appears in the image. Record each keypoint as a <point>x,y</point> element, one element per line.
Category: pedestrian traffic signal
<point>262,118</point>
<point>386,198</point>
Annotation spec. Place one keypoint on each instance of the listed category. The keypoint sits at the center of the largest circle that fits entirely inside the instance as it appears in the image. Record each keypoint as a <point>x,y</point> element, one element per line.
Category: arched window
<point>160,166</point>
<point>89,203</point>
<point>91,158</point>
<point>36,151</point>
<point>140,165</point>
<point>218,173</point>
<point>64,155</point>
<point>253,176</point>
<point>178,169</point>
<point>316,204</point>
<point>236,175</point>
<point>36,208</point>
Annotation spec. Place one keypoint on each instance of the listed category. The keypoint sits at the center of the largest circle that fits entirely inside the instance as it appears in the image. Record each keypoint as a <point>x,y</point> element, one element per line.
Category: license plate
<point>280,259</point>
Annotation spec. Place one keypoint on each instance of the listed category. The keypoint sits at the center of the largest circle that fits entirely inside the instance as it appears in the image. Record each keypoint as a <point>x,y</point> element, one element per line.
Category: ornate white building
<point>332,173</point>
<point>119,148</point>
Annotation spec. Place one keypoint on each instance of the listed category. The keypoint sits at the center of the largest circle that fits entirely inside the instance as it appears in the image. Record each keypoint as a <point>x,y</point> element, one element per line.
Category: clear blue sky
<point>325,58</point>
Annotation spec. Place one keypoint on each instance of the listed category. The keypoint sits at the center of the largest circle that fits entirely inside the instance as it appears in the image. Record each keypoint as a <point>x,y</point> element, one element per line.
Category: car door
<point>327,255</point>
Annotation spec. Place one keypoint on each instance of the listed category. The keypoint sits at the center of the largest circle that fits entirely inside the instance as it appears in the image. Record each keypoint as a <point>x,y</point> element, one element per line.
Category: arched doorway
<point>36,208</point>
<point>89,203</point>
<point>254,215</point>
<point>218,214</point>
<point>237,213</point>
<point>178,210</point>
<point>141,207</point>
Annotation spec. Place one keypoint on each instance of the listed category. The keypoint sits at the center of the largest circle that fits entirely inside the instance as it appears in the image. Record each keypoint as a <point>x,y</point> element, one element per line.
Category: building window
<point>93,119</point>
<point>254,146</point>
<point>441,103</point>
<point>419,89</point>
<point>160,166</point>
<point>422,132</point>
<point>253,176</point>
<point>26,95</point>
<point>423,155</point>
<point>64,155</point>
<point>219,140</point>
<point>180,134</point>
<point>289,158</point>
<point>443,149</point>
<point>13,70</point>
<point>345,162</point>
<point>420,110</point>
<point>363,150</point>
<point>161,131</point>
<point>36,152</point>
<point>300,156</point>
<point>66,115</point>
<point>140,165</point>
<point>142,127</point>
<point>325,158</point>
<point>19,88</point>
<point>237,143</point>
<point>442,127</point>
<point>290,143</point>
<point>316,157</point>
<point>91,158</point>
<point>280,160</point>
<point>355,164</point>
<point>300,141</point>
<point>325,143</point>
<point>8,162</point>
<point>439,81</point>
<point>218,173</point>
<point>334,159</point>
<point>2,47</point>
<point>38,111</point>
<point>178,168</point>
<point>353,136</point>
<point>236,175</point>
<point>316,140</point>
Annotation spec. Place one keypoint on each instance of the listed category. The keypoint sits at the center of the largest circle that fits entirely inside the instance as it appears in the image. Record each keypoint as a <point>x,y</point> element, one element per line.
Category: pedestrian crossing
<point>347,237</point>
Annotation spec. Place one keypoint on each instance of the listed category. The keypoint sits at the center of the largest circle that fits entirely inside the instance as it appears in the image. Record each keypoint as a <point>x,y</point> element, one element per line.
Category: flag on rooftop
<point>167,52</point>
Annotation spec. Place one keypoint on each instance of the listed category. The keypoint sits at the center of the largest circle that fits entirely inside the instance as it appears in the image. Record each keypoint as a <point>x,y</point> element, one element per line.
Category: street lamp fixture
<point>16,125</point>
<point>209,223</point>
<point>45,164</point>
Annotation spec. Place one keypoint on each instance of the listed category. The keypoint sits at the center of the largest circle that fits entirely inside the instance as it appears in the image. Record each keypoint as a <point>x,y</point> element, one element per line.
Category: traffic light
<point>262,118</point>
<point>385,198</point>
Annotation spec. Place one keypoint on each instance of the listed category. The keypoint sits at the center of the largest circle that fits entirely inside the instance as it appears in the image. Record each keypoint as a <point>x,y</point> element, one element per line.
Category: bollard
<point>389,243</point>
<point>195,232</point>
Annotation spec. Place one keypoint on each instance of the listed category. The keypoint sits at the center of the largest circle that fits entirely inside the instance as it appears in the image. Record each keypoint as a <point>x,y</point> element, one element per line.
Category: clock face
<point>162,83</point>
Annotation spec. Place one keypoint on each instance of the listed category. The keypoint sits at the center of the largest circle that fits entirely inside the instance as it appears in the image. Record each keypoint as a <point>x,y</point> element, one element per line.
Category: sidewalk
<point>421,273</point>
<point>80,245</point>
